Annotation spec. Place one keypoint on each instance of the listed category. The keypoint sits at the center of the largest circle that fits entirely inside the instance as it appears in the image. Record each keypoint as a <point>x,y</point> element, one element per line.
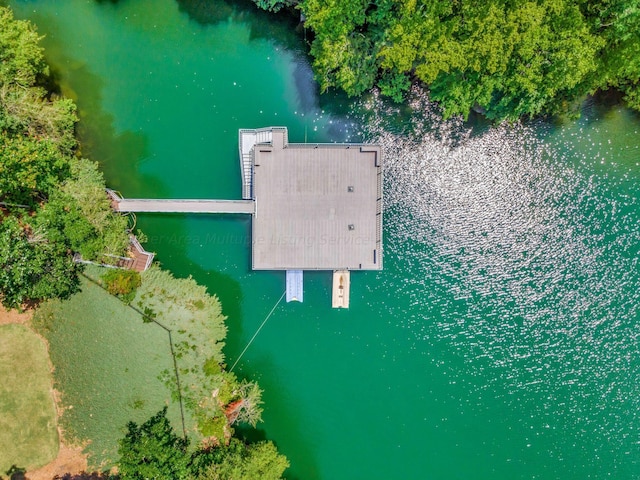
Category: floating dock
<point>294,286</point>
<point>341,287</point>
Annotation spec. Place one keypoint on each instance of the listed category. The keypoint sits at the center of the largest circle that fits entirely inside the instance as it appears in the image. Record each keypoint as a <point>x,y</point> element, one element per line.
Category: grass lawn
<point>28,431</point>
<point>107,366</point>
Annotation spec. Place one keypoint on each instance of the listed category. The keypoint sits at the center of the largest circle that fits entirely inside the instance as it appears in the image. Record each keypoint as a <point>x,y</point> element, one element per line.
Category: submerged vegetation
<point>505,59</point>
<point>216,398</point>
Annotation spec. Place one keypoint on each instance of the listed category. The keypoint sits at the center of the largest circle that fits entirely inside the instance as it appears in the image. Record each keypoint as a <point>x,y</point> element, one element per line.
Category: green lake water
<point>501,341</point>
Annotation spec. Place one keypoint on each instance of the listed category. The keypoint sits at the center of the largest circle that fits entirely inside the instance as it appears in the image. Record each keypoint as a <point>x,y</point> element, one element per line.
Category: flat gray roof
<point>318,207</point>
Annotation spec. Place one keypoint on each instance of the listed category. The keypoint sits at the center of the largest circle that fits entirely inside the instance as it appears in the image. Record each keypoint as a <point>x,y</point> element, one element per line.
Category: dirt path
<point>13,316</point>
<point>70,459</point>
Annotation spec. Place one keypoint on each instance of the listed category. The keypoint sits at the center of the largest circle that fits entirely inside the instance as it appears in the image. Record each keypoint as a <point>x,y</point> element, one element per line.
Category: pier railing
<point>135,243</point>
<point>379,207</point>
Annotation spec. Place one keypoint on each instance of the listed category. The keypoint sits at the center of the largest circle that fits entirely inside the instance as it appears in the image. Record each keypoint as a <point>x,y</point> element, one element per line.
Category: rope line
<point>257,332</point>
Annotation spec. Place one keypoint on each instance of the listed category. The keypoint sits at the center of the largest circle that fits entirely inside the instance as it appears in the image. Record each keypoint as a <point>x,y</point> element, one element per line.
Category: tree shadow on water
<point>282,27</point>
<point>119,154</point>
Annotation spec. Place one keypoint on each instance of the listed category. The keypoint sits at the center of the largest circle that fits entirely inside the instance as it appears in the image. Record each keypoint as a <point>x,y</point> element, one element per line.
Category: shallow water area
<point>501,339</point>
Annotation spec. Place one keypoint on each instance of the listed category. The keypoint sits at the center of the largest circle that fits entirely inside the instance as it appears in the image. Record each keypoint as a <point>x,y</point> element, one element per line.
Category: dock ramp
<point>294,286</point>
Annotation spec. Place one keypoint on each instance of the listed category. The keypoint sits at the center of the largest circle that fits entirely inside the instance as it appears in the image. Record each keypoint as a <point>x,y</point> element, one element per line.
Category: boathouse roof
<point>317,206</point>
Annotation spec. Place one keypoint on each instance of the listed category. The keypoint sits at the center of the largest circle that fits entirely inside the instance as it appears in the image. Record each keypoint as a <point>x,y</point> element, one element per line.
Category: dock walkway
<point>138,205</point>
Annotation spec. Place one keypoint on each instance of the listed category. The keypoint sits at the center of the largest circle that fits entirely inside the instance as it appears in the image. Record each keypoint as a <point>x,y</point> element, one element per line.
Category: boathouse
<point>317,207</point>
<point>314,207</point>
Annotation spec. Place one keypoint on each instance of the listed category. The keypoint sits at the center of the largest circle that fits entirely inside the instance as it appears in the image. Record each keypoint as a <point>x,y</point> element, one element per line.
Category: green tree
<point>81,215</point>
<point>33,268</point>
<point>274,5</point>
<point>247,462</point>
<point>67,210</point>
<point>29,169</point>
<point>87,187</point>
<point>153,451</point>
<point>122,283</point>
<point>344,55</point>
<point>507,59</point>
<point>36,129</point>
<point>21,56</point>
<point>617,21</point>
<point>25,106</point>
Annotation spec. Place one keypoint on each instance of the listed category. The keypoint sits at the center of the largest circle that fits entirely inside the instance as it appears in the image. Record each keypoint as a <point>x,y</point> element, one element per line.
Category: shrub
<point>122,283</point>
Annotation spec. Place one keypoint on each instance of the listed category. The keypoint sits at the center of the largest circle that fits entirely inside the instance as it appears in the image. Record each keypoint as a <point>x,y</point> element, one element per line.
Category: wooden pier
<point>139,205</point>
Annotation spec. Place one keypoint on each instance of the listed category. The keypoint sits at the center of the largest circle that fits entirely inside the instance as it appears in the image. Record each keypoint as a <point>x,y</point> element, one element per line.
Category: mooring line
<point>257,332</point>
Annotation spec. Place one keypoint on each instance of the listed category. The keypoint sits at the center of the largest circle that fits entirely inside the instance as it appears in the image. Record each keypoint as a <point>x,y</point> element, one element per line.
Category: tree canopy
<point>153,451</point>
<point>505,58</point>
<point>247,462</point>
<point>32,267</point>
<point>52,204</point>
